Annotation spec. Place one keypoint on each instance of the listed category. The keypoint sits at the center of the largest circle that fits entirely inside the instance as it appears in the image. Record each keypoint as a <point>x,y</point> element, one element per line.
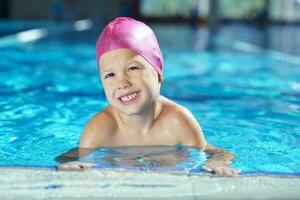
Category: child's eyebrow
<point>106,69</point>
<point>135,59</point>
<point>134,62</point>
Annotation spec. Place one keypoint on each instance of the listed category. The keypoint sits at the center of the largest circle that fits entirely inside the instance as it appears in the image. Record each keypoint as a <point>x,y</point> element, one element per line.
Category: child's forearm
<point>73,155</point>
<point>218,156</point>
<point>221,157</point>
<point>219,161</point>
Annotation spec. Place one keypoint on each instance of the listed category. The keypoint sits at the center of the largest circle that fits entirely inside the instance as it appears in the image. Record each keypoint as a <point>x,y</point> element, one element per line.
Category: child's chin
<point>128,109</point>
<point>130,112</point>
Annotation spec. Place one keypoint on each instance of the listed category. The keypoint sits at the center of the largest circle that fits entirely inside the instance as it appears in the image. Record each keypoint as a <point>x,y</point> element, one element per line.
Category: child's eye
<point>109,75</point>
<point>132,68</point>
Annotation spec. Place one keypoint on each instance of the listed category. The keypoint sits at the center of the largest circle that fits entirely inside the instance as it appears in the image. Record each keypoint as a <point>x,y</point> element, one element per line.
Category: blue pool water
<point>244,91</point>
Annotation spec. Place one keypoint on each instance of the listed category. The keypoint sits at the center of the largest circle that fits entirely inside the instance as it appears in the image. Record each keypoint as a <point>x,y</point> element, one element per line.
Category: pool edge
<point>37,183</point>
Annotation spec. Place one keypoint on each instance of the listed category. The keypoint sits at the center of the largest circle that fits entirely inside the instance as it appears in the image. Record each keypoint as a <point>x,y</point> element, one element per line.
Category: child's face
<point>131,84</point>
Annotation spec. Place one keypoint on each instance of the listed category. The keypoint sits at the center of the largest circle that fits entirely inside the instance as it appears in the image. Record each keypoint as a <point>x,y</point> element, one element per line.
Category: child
<point>131,68</point>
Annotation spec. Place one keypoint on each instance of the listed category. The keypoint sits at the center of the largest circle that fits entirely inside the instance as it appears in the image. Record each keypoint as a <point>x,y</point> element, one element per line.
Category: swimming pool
<point>244,91</point>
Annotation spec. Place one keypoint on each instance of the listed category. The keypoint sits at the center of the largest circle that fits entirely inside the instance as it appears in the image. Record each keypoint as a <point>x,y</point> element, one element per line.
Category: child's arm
<point>68,160</point>
<point>219,162</point>
<point>92,138</point>
<point>73,155</point>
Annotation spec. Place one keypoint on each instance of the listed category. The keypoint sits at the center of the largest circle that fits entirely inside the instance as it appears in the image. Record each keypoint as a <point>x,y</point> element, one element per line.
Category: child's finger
<point>237,171</point>
<point>219,171</point>
<point>74,166</point>
<point>206,168</point>
<point>228,162</point>
<point>228,171</point>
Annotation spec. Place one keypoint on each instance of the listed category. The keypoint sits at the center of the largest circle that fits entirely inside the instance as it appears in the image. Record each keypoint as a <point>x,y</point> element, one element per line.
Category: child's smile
<point>129,98</point>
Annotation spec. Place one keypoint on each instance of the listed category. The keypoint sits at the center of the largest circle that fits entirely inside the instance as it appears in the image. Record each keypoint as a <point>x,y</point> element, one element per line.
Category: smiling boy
<point>131,67</point>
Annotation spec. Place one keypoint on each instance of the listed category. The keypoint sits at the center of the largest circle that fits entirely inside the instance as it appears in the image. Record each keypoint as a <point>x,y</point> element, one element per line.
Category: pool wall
<point>38,183</point>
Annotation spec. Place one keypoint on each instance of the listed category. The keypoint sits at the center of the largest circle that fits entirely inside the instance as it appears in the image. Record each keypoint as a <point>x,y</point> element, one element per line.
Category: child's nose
<point>123,84</point>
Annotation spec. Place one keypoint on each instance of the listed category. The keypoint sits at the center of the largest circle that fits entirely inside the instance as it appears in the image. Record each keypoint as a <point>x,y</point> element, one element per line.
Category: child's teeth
<point>127,98</point>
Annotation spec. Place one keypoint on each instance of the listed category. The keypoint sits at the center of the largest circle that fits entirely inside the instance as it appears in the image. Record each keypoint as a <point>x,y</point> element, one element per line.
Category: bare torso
<point>174,125</point>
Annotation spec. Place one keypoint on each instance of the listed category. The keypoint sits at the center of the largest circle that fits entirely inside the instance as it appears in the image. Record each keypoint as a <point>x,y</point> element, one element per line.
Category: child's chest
<point>156,136</point>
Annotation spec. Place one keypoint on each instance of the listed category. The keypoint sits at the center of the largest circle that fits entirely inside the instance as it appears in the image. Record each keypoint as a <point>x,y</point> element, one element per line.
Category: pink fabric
<point>124,32</point>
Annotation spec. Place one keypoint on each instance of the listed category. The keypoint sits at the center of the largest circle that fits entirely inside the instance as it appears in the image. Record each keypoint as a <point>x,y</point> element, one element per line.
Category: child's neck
<point>142,122</point>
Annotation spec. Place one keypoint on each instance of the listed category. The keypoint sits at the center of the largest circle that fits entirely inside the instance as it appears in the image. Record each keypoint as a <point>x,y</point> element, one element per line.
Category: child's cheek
<point>136,72</point>
<point>107,90</point>
<point>137,76</point>
<point>144,75</point>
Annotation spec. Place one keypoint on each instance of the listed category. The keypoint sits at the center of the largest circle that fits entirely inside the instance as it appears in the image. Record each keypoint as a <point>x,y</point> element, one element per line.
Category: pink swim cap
<point>124,32</point>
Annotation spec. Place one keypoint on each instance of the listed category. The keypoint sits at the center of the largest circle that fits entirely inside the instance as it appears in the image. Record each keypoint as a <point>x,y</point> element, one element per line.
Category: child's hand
<point>220,169</point>
<point>75,166</point>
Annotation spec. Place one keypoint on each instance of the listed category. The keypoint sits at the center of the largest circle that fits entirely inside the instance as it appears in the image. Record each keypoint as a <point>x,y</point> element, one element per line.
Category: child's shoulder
<point>182,121</point>
<point>178,114</point>
<point>97,129</point>
<point>103,117</point>
<point>174,109</point>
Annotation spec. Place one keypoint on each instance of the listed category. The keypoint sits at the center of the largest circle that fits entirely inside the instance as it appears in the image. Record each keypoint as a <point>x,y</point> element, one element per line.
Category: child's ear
<point>160,79</point>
